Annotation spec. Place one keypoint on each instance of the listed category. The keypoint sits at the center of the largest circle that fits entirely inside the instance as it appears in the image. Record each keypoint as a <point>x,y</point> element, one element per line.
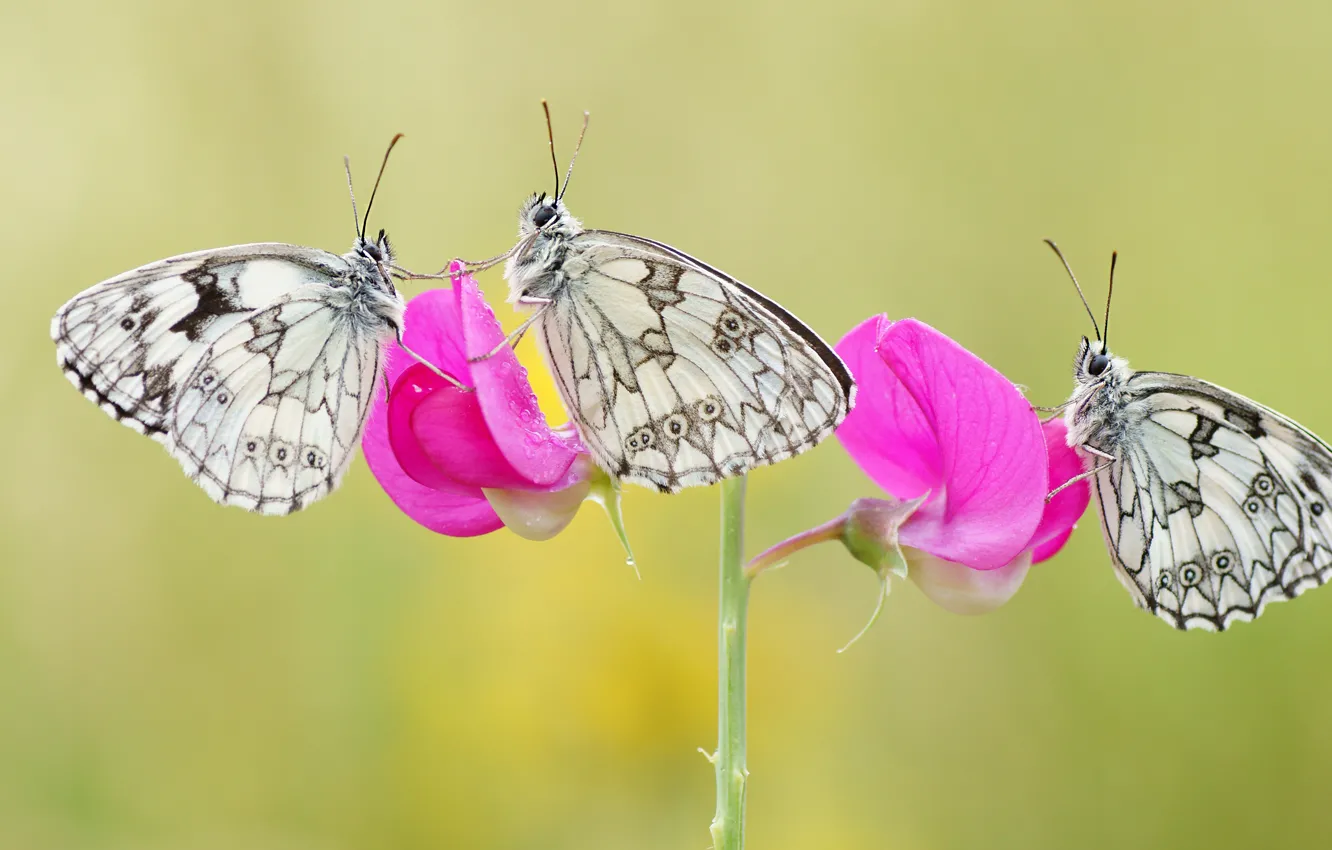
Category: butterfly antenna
<point>375,190</point>
<point>1105,342</point>
<point>550,135</point>
<point>356,218</point>
<point>587,116</point>
<point>1076,285</point>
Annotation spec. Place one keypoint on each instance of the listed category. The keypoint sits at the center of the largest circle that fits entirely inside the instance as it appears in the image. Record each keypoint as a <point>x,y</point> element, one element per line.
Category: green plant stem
<point>728,825</point>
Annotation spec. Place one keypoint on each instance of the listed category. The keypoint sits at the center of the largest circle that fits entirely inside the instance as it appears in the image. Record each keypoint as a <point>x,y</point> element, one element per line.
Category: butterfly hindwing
<point>270,417</point>
<point>1216,506</point>
<point>679,375</point>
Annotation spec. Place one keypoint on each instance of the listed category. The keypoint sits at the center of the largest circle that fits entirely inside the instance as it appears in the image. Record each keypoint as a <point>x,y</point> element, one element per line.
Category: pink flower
<point>465,463</point>
<point>935,422</point>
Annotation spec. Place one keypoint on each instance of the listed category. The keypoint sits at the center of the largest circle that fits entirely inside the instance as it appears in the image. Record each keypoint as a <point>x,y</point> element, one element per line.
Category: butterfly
<point>1212,505</point>
<point>674,373</point>
<point>254,365</point>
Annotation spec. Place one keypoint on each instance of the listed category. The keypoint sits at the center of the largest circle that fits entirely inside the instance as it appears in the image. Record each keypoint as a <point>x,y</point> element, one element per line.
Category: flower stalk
<point>728,824</point>
<point>775,556</point>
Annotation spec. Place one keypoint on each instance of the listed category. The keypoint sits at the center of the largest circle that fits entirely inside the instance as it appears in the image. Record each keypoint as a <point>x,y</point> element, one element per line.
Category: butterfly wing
<point>271,415</point>
<point>129,342</point>
<point>677,374</point>
<point>1216,506</point>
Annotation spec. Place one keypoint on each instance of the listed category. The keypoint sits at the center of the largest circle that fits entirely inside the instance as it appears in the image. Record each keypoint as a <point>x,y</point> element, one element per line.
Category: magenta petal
<point>440,438</point>
<point>886,434</point>
<point>990,447</point>
<point>1064,510</point>
<point>464,513</point>
<point>433,329</point>
<point>1047,550</point>
<point>519,428</point>
<point>453,433</point>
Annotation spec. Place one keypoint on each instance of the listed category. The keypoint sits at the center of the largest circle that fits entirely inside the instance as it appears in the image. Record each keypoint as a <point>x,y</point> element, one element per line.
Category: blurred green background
<point>178,675</point>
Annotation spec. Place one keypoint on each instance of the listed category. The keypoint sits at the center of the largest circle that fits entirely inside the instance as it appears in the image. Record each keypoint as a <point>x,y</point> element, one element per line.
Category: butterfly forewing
<point>271,416</point>
<point>679,375</point>
<point>1215,506</point>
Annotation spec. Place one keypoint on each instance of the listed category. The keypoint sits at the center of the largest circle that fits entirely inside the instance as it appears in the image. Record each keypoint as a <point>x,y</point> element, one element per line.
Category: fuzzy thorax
<point>1096,411</point>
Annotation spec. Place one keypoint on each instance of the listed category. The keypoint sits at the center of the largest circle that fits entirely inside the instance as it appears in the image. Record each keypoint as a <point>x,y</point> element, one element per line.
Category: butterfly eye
<point>544,215</point>
<point>1098,364</point>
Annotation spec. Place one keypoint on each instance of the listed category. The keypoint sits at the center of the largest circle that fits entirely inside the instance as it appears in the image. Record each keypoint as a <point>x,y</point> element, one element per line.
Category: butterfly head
<point>372,276</point>
<point>379,251</point>
<point>1096,365</point>
<point>377,257</point>
<point>547,216</point>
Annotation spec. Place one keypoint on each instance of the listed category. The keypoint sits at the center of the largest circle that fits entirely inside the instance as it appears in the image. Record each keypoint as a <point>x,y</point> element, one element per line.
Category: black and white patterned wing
<point>677,374</point>
<point>128,343</point>
<point>1218,505</point>
<point>270,417</point>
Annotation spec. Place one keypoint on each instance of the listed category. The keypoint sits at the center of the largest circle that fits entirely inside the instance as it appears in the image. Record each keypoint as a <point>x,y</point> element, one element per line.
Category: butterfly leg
<point>1109,462</point>
<point>432,367</point>
<point>1055,411</point>
<point>443,274</point>
<point>469,266</point>
<point>516,336</point>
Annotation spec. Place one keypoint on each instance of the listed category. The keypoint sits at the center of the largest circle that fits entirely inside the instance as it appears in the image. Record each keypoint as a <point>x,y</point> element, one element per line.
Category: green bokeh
<point>178,675</point>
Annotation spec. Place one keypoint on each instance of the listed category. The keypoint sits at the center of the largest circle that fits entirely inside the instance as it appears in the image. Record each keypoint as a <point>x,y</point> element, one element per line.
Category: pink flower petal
<point>464,513</point>
<point>1048,549</point>
<point>886,434</point>
<point>505,396</point>
<point>1062,513</point>
<point>440,437</point>
<point>990,447</point>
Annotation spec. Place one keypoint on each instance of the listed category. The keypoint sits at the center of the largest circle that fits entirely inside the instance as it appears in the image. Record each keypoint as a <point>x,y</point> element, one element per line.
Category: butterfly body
<point>253,365</point>
<point>674,373</point>
<point>1212,505</point>
<point>1100,412</point>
